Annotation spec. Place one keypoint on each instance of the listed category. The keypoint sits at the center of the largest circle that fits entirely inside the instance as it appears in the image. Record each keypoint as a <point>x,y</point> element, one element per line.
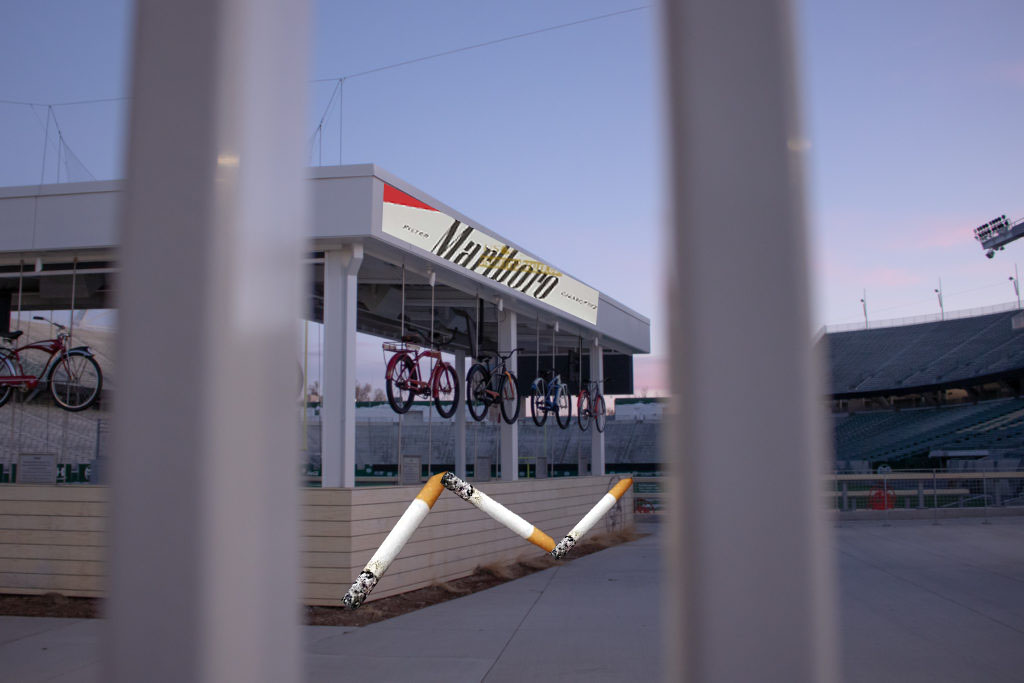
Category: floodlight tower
<point>997,233</point>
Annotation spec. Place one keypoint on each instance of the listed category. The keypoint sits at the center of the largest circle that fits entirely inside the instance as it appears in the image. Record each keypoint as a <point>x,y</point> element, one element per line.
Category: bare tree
<point>364,391</point>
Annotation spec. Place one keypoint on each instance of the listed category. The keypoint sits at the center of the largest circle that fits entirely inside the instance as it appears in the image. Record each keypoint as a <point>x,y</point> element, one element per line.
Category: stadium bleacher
<point>903,359</point>
<point>975,353</point>
<point>627,442</point>
<point>893,435</point>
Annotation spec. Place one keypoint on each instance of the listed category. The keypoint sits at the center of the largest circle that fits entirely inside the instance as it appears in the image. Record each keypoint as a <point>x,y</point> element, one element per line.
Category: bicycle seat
<point>11,336</point>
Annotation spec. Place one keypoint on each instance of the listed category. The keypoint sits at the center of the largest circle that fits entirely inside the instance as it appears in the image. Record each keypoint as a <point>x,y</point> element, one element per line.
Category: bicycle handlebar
<point>47,320</point>
<point>423,335</point>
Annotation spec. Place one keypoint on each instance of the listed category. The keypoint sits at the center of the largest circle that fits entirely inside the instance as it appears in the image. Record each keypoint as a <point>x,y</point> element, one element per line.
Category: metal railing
<point>969,492</point>
<point>918,319</point>
<point>934,490</point>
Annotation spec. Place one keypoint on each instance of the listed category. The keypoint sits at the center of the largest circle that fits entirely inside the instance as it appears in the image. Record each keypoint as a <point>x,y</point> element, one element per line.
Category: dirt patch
<point>485,576</point>
<point>49,605</point>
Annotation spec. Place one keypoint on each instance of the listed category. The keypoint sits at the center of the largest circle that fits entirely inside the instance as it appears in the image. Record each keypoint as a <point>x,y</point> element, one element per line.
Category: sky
<point>557,139</point>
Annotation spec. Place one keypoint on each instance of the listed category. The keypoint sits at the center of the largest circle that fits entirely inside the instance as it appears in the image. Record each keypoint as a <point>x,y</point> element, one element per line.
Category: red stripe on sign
<point>396,196</point>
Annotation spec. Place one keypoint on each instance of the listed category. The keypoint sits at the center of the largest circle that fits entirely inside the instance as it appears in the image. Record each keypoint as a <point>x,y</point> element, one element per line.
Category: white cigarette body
<point>393,543</point>
<point>606,503</point>
<point>497,511</point>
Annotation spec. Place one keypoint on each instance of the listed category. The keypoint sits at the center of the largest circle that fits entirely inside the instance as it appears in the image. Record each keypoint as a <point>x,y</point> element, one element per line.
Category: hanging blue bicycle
<point>549,394</point>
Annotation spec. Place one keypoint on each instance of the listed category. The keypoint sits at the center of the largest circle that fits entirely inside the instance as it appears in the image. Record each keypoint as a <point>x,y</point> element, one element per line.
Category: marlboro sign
<point>423,226</point>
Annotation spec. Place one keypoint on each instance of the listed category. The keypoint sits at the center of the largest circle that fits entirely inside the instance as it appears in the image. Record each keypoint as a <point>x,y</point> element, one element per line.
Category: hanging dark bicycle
<point>487,384</point>
<point>590,405</point>
<point>549,394</point>
<point>404,379</point>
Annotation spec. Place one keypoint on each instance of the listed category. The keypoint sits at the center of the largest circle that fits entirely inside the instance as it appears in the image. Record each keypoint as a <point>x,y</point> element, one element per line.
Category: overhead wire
<point>487,43</point>
<point>318,131</point>
<point>437,55</point>
<point>415,60</point>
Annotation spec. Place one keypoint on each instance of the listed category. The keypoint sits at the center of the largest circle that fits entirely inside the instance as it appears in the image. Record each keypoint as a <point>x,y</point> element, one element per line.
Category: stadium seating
<point>900,359</point>
<point>891,435</point>
<point>627,441</point>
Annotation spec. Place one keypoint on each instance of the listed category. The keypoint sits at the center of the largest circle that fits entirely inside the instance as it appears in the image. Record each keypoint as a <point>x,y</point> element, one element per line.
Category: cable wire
<point>488,43</point>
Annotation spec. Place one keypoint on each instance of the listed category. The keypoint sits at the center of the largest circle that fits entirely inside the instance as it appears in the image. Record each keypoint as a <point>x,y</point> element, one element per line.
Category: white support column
<point>751,589</point>
<point>596,437</point>
<point>460,416</point>
<point>509,449</point>
<point>204,518</point>
<point>338,431</point>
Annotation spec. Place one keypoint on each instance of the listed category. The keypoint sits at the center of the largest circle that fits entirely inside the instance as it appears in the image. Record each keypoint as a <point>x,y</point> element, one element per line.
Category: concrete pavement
<point>924,602</point>
<point>917,603</point>
<point>592,619</point>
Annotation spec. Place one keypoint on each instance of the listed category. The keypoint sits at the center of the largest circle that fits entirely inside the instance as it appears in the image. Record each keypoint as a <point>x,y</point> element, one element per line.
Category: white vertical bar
<point>204,521</point>
<point>338,440</point>
<point>460,415</point>
<point>752,596</point>
<point>596,437</point>
<point>509,446</point>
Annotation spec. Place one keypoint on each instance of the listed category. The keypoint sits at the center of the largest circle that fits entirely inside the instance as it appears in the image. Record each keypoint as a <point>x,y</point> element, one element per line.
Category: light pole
<point>942,309</point>
<point>1015,279</point>
<point>864,305</point>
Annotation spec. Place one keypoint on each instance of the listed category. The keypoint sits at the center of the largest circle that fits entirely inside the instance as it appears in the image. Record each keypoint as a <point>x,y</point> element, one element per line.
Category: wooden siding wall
<point>52,538</point>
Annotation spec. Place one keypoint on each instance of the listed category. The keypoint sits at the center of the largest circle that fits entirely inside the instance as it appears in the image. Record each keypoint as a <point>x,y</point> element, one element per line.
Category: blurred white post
<point>204,566</point>
<point>460,415</point>
<point>751,595</point>
<point>509,444</point>
<point>338,422</point>
<point>596,437</point>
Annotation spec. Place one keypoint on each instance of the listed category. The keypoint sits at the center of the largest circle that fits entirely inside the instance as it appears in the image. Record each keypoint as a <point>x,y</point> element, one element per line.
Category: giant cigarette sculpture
<point>497,511</point>
<point>606,503</point>
<point>417,511</point>
<point>394,542</point>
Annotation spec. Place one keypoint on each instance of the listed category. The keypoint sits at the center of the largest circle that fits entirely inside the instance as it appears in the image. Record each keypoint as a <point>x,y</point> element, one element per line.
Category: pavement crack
<point>511,637</point>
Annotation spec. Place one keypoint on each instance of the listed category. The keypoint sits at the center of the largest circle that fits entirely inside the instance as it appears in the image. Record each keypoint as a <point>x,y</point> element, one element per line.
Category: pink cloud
<point>891,277</point>
<point>650,373</point>
<point>920,231</point>
<point>1009,73</point>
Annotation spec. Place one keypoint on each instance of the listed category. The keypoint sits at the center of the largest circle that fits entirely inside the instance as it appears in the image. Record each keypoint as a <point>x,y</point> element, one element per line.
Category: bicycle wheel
<point>537,407</point>
<point>599,413</point>
<point>6,369</point>
<point>563,414</point>
<point>509,398</point>
<point>401,369</point>
<point>446,391</point>
<point>583,410</point>
<point>75,381</point>
<point>476,391</point>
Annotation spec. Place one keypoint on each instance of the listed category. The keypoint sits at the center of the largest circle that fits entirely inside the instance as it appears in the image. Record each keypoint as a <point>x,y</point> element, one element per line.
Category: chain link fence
<point>934,490</point>
<point>558,452</point>
<point>73,440</point>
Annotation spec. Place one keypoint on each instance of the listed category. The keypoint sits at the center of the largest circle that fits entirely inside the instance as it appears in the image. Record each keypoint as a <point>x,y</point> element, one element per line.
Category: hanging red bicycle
<point>404,379</point>
<point>590,405</point>
<point>72,374</point>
